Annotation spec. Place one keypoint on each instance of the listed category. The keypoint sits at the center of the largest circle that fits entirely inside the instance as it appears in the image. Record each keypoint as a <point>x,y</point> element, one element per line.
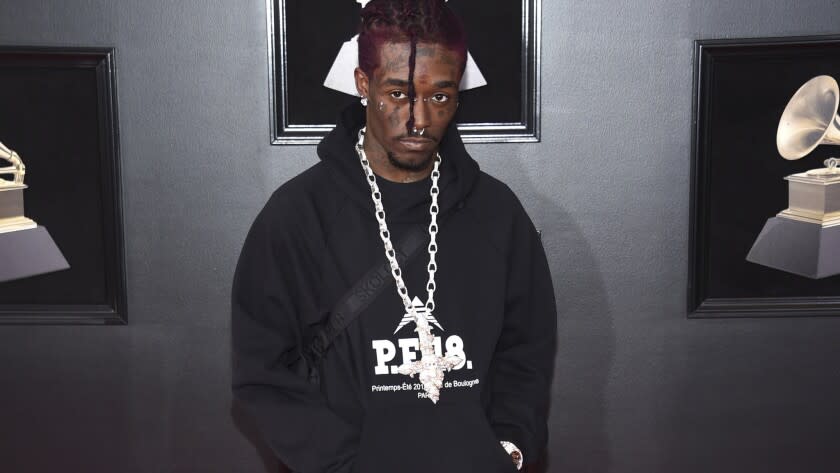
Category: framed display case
<point>60,115</point>
<point>741,88</point>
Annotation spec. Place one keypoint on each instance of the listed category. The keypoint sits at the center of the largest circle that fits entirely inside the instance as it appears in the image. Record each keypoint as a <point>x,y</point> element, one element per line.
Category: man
<point>446,363</point>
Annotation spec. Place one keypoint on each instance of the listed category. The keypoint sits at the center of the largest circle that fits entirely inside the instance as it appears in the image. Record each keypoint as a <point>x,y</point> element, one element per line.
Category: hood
<point>458,170</point>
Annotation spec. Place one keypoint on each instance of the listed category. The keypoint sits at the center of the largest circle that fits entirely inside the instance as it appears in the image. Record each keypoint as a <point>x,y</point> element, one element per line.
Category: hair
<point>413,21</point>
<point>419,21</point>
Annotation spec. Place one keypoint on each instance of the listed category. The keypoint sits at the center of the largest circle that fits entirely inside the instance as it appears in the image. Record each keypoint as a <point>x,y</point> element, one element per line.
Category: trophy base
<point>28,253</point>
<point>800,247</point>
<point>814,196</point>
<point>11,201</point>
<point>823,220</point>
<point>15,224</point>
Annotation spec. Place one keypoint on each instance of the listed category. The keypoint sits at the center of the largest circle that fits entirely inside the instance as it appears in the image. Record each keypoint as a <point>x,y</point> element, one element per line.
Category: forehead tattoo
<point>427,51</point>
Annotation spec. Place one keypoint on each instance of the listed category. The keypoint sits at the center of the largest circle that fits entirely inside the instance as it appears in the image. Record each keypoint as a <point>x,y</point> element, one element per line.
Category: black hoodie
<point>315,238</point>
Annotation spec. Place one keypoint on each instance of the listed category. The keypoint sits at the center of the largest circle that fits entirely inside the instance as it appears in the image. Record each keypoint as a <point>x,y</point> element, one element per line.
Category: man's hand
<point>517,458</point>
<point>514,452</point>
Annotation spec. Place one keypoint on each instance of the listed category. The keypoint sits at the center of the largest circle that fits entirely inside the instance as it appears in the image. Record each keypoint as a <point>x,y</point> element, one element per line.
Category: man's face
<point>437,75</point>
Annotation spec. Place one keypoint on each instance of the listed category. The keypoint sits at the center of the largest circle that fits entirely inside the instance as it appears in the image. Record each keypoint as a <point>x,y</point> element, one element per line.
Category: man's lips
<point>417,143</point>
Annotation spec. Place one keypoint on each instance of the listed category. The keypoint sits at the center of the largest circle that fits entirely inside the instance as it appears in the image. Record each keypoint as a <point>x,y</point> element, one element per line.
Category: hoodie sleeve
<point>269,293</point>
<point>523,362</point>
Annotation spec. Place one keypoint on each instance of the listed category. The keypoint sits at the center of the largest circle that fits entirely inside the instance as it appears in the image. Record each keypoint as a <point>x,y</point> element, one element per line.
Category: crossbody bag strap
<point>362,294</point>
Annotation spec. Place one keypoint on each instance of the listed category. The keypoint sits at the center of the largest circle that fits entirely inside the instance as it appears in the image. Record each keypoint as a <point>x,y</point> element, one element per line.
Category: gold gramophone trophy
<point>11,194</point>
<point>804,239</point>
<point>26,249</point>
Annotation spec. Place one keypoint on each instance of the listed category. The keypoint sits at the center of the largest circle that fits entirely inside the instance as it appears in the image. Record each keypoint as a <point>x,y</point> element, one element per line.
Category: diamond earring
<point>364,101</point>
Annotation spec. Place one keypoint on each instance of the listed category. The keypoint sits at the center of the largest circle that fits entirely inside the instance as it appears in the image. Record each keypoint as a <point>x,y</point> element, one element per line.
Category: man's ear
<point>362,82</point>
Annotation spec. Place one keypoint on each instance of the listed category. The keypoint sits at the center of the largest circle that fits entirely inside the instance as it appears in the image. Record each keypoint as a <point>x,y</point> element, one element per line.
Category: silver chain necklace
<point>430,367</point>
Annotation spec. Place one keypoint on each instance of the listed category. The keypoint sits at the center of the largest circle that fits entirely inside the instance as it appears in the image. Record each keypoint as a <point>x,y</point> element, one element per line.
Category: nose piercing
<point>420,132</point>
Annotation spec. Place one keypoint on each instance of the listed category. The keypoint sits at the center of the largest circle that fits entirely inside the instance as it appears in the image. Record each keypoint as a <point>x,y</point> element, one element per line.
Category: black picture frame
<point>741,87</point>
<point>504,38</point>
<point>60,115</point>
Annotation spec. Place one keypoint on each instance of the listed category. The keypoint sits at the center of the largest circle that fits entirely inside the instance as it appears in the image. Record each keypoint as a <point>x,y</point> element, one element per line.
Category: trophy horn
<point>17,168</point>
<point>810,118</point>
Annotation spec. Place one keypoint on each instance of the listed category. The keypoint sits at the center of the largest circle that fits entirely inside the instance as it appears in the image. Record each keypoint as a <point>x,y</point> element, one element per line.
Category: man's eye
<point>398,94</point>
<point>440,98</point>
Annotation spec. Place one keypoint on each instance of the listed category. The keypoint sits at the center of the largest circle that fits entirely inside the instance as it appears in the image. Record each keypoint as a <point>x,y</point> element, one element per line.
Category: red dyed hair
<point>415,21</point>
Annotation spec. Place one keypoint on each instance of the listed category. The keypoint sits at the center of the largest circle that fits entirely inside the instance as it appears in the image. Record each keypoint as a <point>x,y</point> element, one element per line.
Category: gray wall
<point>638,386</point>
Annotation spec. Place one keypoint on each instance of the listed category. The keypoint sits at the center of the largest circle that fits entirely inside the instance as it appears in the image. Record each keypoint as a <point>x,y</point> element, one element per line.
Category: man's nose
<point>422,114</point>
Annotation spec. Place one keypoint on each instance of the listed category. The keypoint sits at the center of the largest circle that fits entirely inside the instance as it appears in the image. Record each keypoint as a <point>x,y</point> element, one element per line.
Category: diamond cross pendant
<point>430,367</point>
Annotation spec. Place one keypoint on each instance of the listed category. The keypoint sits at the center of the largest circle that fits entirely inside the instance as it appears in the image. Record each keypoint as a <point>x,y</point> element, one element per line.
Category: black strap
<point>362,294</point>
